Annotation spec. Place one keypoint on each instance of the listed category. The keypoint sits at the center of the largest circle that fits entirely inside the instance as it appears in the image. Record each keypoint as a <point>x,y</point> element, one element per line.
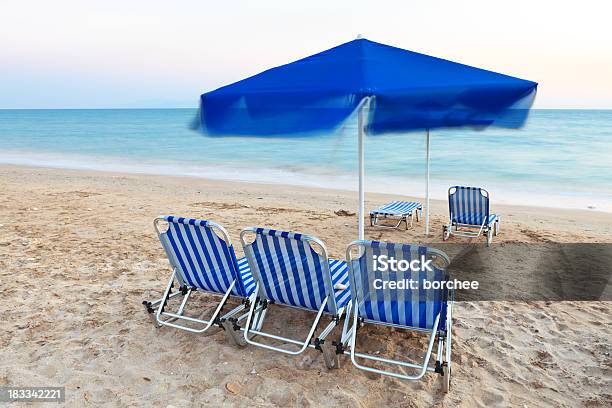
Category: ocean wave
<point>319,177</point>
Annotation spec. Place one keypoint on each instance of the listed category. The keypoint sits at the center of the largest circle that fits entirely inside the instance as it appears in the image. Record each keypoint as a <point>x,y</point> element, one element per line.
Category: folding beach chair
<point>289,271</point>
<point>376,301</point>
<point>201,260</point>
<point>397,211</point>
<point>469,214</point>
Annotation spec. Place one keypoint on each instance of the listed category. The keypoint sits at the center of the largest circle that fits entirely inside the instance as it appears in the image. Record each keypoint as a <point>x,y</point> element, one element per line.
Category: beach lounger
<point>203,260</point>
<point>293,270</point>
<point>469,214</point>
<point>375,302</point>
<point>397,211</point>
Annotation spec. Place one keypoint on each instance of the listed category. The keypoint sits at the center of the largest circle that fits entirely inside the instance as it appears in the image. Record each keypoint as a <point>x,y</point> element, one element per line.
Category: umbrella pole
<point>427,185</point>
<point>360,125</point>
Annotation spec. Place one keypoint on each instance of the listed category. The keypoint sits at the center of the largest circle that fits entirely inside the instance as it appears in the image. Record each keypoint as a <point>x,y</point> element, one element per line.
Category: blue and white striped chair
<point>398,211</point>
<point>289,271</point>
<point>378,299</point>
<point>201,260</point>
<point>469,210</point>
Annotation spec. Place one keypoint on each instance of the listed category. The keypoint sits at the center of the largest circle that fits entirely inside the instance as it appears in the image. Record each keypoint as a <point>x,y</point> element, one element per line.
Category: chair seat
<point>406,307</point>
<point>340,275</point>
<point>203,259</point>
<point>492,219</point>
<point>338,269</point>
<point>469,220</point>
<point>247,277</point>
<point>397,208</point>
<point>289,271</point>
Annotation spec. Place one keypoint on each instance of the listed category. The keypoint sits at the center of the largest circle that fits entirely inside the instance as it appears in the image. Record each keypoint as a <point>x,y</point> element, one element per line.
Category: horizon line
<point>191,107</point>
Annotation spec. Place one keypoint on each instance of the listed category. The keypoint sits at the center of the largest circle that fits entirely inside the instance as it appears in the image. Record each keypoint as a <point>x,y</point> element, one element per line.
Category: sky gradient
<point>118,54</point>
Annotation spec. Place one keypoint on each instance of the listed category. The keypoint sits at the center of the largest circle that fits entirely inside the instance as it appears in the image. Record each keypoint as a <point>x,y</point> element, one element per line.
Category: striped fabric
<point>468,205</point>
<point>291,272</point>
<point>397,208</point>
<point>246,277</point>
<point>405,307</point>
<point>203,260</point>
<point>340,275</point>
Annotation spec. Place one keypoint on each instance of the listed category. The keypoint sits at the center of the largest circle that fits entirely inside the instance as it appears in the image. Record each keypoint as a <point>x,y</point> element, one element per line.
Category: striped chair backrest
<point>415,306</point>
<point>202,259</point>
<point>468,205</point>
<point>289,270</point>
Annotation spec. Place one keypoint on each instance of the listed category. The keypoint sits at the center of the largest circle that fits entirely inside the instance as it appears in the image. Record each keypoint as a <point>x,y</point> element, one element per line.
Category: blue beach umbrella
<point>390,89</point>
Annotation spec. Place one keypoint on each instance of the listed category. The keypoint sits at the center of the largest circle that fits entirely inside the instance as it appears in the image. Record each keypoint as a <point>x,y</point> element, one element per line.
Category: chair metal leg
<point>166,318</point>
<point>231,328</point>
<point>446,364</point>
<point>330,357</point>
<point>248,332</point>
<point>423,368</point>
<point>151,306</point>
<point>399,221</point>
<point>184,302</point>
<point>346,332</point>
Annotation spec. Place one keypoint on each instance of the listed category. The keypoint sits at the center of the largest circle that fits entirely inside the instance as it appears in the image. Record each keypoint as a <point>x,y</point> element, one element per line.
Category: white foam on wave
<point>302,176</point>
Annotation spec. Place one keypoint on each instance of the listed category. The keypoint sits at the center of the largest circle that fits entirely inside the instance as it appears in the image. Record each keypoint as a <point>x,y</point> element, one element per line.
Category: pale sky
<point>161,53</point>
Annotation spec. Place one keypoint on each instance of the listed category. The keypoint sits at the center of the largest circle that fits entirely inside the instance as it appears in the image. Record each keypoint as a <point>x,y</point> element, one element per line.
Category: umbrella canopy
<point>395,90</point>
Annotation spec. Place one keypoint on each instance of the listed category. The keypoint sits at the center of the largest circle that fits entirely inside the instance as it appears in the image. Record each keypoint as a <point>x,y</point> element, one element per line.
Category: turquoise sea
<point>561,158</point>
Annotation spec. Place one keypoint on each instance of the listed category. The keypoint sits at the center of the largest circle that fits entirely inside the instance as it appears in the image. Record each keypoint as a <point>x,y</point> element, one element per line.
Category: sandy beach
<point>78,254</point>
